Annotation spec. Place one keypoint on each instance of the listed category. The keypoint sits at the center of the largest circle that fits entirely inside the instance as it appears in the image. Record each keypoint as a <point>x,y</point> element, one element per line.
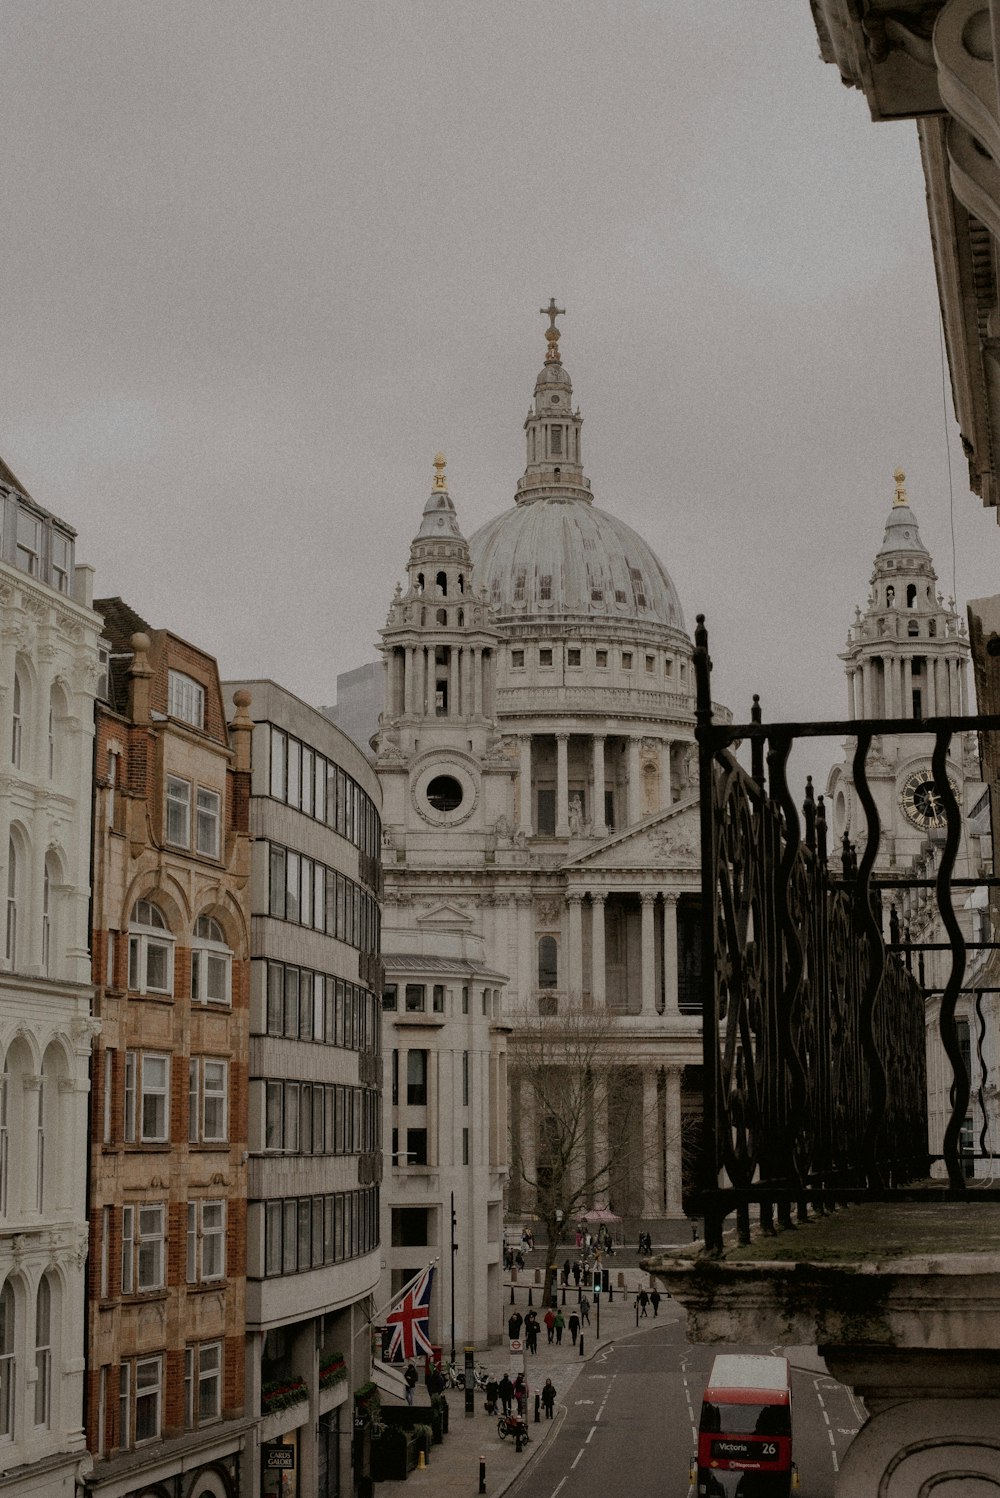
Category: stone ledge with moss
<point>903,1302</point>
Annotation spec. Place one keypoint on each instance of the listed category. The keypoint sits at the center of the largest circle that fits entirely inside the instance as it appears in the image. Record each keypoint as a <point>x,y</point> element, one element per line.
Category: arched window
<point>211,963</point>
<point>46,914</point>
<point>11,948</point>
<point>461,582</point>
<point>7,1365</point>
<point>911,595</point>
<point>43,1354</point>
<point>548,962</point>
<point>932,629</point>
<point>16,724</point>
<point>420,582</point>
<point>442,616</point>
<point>890,596</point>
<point>150,950</point>
<point>441,582</point>
<point>913,628</point>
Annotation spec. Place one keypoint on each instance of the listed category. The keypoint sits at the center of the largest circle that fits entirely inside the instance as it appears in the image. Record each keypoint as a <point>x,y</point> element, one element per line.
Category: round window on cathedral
<point>444,793</point>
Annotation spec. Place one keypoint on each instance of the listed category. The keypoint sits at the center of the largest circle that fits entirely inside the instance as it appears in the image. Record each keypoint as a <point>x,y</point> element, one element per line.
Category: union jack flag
<point>409,1321</point>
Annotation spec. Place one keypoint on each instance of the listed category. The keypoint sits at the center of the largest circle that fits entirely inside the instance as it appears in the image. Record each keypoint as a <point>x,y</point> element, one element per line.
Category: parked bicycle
<point>509,1425</point>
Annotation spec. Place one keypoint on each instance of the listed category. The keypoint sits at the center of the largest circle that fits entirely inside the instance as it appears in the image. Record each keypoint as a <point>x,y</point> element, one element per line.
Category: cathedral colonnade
<point>907,686</point>
<point>593,783</point>
<point>433,680</point>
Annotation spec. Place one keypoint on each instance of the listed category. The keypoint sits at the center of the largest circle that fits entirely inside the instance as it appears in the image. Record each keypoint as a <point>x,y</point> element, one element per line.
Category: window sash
<point>155,1109</point>
<point>178,829</point>
<point>148,1379</point>
<point>208,820</point>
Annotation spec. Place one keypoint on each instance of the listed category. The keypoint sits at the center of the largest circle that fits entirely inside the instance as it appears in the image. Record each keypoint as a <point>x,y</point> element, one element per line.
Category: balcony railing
<point>814,1026</point>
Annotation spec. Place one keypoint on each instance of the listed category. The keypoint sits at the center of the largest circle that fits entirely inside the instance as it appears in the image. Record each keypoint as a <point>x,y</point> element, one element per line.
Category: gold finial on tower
<point>440,482</point>
<point>900,498</point>
<point>552,332</point>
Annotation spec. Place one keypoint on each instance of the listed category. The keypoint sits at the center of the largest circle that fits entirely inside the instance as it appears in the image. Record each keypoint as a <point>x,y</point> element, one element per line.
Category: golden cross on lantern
<point>552,312</point>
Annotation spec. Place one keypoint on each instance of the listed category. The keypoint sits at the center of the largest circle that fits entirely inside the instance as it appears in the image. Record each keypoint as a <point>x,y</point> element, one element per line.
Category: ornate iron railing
<point>814,1045</point>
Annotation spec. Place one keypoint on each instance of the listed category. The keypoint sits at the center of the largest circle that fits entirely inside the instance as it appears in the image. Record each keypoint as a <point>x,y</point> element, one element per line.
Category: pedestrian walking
<point>491,1395</point>
<point>505,1390</point>
<point>565,1273</point>
<point>576,1274</point>
<point>559,1323</point>
<point>574,1326</point>
<point>655,1301</point>
<point>585,1310</point>
<point>520,1394</point>
<point>548,1397</point>
<point>643,1303</point>
<point>514,1325</point>
<point>530,1330</point>
<point>550,1321</point>
<point>410,1380</point>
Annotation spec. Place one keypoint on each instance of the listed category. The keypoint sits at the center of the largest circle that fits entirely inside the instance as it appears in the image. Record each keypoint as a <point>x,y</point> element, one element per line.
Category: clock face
<point>922,801</point>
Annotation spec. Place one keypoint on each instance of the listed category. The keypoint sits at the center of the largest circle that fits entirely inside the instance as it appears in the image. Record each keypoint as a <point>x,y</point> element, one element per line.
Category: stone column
<point>851,707</point>
<point>597,810</point>
<point>634,789</point>
<point>963,688</point>
<point>525,822</point>
<point>526,955</point>
<point>670,980</point>
<point>673,1142</point>
<point>666,791</point>
<point>562,785</point>
<point>574,942</point>
<point>907,703</point>
<point>454,688</point>
<point>409,673</point>
<point>648,980</point>
<point>931,706</point>
<point>477,682</point>
<point>652,1154</point>
<point>598,977</point>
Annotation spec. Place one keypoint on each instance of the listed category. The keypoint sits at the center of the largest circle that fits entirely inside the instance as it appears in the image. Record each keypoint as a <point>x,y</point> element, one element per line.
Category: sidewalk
<point>453,1468</point>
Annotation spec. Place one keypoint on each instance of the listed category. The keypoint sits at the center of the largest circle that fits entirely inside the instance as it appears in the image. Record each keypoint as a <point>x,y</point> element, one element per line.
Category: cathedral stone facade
<point>906,658</point>
<point>536,754</point>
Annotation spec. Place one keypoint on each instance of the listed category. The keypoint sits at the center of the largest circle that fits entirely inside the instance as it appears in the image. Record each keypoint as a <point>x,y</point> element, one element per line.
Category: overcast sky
<point>261,261</point>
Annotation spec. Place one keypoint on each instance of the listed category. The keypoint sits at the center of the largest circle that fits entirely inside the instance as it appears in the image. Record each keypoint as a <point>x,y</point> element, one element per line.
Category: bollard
<point>637,1310</point>
<point>581,1344</point>
<point>421,1464</point>
<point>531,1301</point>
<point>564,1294</point>
<point>482,1474</point>
<point>611,1292</point>
<point>512,1294</point>
<point>517,1439</point>
<point>538,1406</point>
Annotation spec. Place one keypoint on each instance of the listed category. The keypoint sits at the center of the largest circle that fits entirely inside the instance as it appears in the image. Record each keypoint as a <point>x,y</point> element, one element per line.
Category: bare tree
<point>578,1118</point>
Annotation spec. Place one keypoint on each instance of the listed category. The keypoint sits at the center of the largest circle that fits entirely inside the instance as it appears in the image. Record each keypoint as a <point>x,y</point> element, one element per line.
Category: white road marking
<point>576,1459</point>
<point>590,1436</point>
<point>558,1486</point>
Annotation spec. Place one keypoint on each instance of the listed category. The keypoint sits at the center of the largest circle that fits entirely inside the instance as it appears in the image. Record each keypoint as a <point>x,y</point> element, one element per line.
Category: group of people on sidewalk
<point>508,1394</point>
<point>555,1322</point>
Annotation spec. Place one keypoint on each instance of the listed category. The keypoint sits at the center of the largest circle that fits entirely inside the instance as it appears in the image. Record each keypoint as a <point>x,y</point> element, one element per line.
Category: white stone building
<point>907,656</point>
<point>539,778</point>
<point>48,681</point>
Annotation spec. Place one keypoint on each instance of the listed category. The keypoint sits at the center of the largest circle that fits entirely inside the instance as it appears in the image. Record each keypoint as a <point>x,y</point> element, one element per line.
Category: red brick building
<point>167,1270</point>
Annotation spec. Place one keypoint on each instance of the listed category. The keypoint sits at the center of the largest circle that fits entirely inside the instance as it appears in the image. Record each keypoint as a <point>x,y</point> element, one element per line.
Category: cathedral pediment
<point>667,840</point>
<point>444,917</point>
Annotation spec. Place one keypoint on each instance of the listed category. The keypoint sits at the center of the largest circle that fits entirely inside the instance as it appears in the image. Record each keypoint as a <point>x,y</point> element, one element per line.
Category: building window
<point>416,1078</point>
<point>414,998</point>
<point>465,1079</point>
<point>202,1384</point>
<point>146,1106</point>
<point>545,588</point>
<point>545,655</point>
<point>4,1143</point>
<point>626,660</point>
<point>28,542</point>
<point>208,823</point>
<point>211,963</point>
<point>517,660</point>
<point>207,1101</point>
<point>142,1248</point>
<point>185,699</point>
<point>206,1241</point>
<point>8,1367</point>
<point>651,664</point>
<point>11,903</point>
<point>148,1387</point>
<point>16,724</point>
<point>60,562</point>
<point>601,658</point>
<point>150,950</point>
<point>178,811</point>
<point>437,998</point>
<point>389,996</point>
<point>465,1146</point>
<point>105,1284</point>
<point>43,1354</point>
<point>416,1147</point>
<point>573,655</point>
<point>548,962</point>
<point>465,999</point>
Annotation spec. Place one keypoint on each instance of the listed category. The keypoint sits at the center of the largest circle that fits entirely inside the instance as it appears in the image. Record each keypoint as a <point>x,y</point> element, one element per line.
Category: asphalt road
<point>631,1416</point>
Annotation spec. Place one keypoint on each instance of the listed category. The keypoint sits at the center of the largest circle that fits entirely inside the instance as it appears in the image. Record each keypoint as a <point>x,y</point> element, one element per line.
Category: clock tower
<point>906,657</point>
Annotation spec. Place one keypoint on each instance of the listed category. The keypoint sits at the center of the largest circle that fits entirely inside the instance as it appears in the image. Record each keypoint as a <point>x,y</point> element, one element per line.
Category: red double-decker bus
<point>745,1431</point>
